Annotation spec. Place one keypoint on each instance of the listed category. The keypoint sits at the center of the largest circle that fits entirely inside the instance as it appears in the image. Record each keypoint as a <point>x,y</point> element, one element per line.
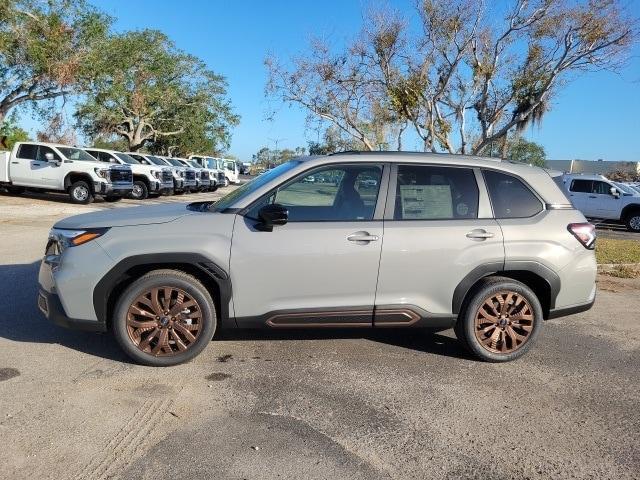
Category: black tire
<point>80,193</point>
<point>112,198</point>
<point>13,190</point>
<point>214,188</point>
<point>140,190</point>
<point>633,221</point>
<point>465,328</point>
<point>160,279</point>
<point>179,192</point>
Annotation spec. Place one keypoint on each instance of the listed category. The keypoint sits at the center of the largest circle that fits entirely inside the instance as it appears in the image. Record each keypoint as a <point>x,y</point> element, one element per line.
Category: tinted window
<point>76,154</point>
<point>335,193</point>
<point>601,188</point>
<point>28,151</point>
<point>510,197</point>
<point>582,186</point>
<point>42,152</point>
<point>435,193</point>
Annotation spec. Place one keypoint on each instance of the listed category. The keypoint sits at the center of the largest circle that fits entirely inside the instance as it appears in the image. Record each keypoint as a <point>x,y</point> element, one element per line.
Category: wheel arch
<point>544,282</point>
<point>73,177</point>
<point>214,278</point>
<point>632,207</point>
<point>142,178</point>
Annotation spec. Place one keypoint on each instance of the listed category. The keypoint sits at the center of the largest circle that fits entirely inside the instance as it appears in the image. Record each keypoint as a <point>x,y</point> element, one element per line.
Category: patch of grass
<point>622,271</point>
<point>610,250</point>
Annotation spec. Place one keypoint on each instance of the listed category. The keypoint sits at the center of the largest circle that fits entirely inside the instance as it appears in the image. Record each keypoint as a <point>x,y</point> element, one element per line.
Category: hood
<point>123,217</point>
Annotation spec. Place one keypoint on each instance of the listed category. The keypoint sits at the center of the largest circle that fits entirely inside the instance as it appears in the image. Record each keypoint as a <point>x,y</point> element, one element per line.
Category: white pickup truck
<point>147,179</point>
<point>53,167</point>
<point>212,165</point>
<point>599,198</point>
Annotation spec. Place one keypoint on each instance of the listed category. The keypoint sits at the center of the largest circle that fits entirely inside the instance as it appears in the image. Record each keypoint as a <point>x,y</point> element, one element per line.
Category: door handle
<point>362,238</point>
<point>592,196</point>
<point>479,234</point>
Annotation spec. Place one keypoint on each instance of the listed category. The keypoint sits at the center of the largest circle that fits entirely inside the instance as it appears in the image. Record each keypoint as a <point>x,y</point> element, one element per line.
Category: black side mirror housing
<point>270,215</point>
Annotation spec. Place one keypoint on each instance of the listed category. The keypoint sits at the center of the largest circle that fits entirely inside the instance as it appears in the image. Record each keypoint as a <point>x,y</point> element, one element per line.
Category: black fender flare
<point>85,176</point>
<point>481,271</point>
<point>627,210</point>
<point>118,274</point>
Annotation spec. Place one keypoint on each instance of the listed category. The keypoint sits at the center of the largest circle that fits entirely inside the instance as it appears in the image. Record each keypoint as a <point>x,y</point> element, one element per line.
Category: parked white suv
<point>597,197</point>
<point>146,178</point>
<point>53,167</point>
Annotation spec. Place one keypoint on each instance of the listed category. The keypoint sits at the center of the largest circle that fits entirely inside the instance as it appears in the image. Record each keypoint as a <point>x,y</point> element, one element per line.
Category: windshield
<point>625,189</point>
<point>250,187</point>
<point>194,164</point>
<point>211,163</point>
<point>231,165</point>
<point>126,158</point>
<point>157,160</point>
<point>76,154</point>
<point>174,162</point>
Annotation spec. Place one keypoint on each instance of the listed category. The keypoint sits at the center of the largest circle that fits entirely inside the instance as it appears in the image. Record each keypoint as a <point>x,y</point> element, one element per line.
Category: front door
<point>438,229</point>
<point>321,268</point>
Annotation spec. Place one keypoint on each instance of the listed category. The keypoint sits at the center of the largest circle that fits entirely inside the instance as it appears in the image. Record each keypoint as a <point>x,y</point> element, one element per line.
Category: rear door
<point>438,228</point>
<point>319,269</point>
<point>579,193</point>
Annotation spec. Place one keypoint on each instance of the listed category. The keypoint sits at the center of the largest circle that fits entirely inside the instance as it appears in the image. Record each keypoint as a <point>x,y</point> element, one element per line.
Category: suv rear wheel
<point>633,221</point>
<point>166,317</point>
<point>500,320</point>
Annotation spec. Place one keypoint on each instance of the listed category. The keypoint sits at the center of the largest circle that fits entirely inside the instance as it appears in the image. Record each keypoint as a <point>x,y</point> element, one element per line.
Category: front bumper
<point>112,189</point>
<point>162,187</point>
<point>50,305</point>
<point>189,183</point>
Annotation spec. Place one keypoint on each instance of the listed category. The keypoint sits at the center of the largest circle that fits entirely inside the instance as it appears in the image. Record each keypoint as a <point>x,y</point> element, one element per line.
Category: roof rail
<point>414,153</point>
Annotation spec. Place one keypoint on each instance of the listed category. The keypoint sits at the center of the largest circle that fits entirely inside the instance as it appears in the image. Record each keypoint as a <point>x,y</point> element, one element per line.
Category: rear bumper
<point>51,307</point>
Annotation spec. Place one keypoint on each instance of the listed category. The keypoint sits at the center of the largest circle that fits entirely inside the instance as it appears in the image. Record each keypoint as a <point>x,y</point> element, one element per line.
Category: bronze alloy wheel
<point>504,322</point>
<point>164,321</point>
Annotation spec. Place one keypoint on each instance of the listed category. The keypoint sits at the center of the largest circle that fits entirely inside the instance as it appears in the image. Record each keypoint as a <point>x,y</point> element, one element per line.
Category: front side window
<point>601,188</point>
<point>427,192</point>
<point>332,193</point>
<point>42,153</point>
<point>76,154</point>
<point>510,198</point>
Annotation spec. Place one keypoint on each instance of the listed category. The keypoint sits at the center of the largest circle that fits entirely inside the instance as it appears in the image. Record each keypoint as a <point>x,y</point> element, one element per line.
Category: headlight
<point>73,238</point>
<point>102,172</point>
<point>156,173</point>
<point>181,173</point>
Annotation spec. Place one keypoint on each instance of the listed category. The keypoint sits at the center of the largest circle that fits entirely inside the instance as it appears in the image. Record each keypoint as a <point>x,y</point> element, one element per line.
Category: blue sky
<point>595,116</point>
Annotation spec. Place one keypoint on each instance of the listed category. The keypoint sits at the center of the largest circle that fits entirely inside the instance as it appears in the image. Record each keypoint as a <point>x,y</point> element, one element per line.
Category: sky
<point>595,116</point>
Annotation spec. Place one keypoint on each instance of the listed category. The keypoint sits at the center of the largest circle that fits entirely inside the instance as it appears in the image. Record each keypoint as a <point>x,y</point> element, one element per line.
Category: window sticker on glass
<point>426,201</point>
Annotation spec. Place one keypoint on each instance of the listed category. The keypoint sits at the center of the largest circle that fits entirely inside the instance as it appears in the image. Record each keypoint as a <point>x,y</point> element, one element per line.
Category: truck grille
<point>121,176</point>
<point>190,175</point>
<point>167,176</point>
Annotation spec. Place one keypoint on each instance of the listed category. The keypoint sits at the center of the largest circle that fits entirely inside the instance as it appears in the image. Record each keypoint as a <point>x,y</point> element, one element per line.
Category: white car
<point>54,167</point>
<point>599,198</point>
<point>147,179</point>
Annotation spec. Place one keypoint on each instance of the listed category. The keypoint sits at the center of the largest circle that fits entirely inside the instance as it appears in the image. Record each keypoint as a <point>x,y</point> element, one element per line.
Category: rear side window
<point>581,186</point>
<point>28,151</point>
<point>510,197</point>
<point>427,192</point>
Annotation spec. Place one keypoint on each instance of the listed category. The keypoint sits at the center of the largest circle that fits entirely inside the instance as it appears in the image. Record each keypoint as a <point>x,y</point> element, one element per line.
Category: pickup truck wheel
<point>500,321</point>
<point>139,190</point>
<point>80,193</point>
<point>214,187</point>
<point>633,221</point>
<point>166,317</point>
<point>13,190</point>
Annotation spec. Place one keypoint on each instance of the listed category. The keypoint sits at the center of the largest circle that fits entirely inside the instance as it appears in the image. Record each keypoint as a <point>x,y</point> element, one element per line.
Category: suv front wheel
<point>633,221</point>
<point>166,317</point>
<point>500,320</point>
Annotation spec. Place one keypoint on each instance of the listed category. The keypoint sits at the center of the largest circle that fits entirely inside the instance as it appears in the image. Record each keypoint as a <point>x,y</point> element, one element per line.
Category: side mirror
<point>270,215</point>
<point>614,191</point>
<point>50,158</point>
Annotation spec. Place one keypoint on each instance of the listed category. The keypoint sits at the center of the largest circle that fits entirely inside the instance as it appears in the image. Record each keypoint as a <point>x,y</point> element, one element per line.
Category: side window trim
<point>381,201</point>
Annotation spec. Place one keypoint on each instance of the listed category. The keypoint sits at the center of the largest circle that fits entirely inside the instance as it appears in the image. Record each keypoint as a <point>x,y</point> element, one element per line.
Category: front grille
<point>121,176</point>
<point>189,175</point>
<point>167,176</point>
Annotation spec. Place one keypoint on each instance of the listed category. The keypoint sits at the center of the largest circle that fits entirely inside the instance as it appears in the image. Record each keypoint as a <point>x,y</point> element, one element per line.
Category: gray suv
<point>376,240</point>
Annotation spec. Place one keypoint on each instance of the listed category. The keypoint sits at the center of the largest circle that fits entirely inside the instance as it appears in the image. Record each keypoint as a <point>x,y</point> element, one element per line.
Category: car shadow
<point>22,321</point>
<point>49,197</point>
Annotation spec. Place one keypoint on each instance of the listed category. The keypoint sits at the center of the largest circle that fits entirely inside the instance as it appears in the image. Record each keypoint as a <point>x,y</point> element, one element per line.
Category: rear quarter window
<point>510,197</point>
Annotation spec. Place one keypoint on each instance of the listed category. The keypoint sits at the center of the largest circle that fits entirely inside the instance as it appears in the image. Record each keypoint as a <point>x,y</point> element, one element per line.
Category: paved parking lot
<point>326,405</point>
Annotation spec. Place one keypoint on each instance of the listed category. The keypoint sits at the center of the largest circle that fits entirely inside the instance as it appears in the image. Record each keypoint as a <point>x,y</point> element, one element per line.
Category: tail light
<point>585,233</point>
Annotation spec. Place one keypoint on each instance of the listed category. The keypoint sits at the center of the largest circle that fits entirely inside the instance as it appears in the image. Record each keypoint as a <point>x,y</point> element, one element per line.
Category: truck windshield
<point>157,160</point>
<point>624,188</point>
<point>250,187</point>
<point>76,154</point>
<point>194,164</point>
<point>211,163</point>
<point>175,162</point>
<point>126,158</point>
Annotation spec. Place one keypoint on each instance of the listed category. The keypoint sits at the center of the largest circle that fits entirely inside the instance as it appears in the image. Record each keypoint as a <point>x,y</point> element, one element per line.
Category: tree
<point>47,49</point>
<point>268,158</point>
<point>476,73</point>
<point>57,131</point>
<point>523,151</point>
<point>148,91</point>
<point>11,133</point>
<point>333,142</point>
